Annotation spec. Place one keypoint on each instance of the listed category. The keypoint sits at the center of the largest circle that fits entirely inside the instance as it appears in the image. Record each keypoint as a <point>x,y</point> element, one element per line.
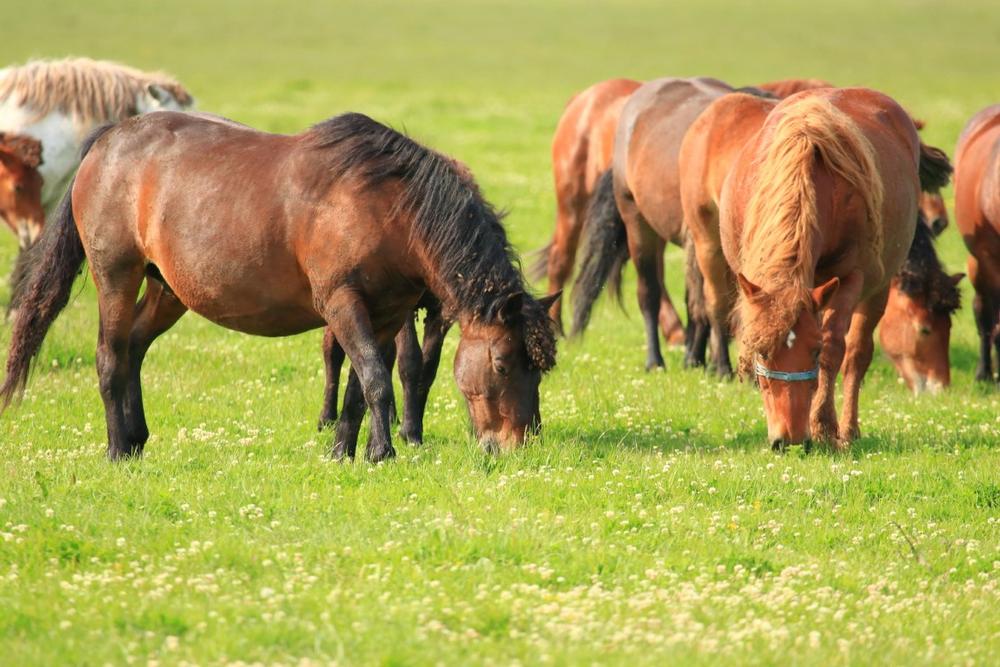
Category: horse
<point>581,152</point>
<point>21,186</point>
<point>788,87</point>
<point>59,102</point>
<point>817,215</point>
<point>418,365</point>
<point>977,216</point>
<point>636,208</point>
<point>915,330</point>
<point>707,153</point>
<point>345,225</point>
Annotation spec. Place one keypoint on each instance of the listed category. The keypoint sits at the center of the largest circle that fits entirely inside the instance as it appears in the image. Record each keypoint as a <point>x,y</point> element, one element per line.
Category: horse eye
<point>500,368</point>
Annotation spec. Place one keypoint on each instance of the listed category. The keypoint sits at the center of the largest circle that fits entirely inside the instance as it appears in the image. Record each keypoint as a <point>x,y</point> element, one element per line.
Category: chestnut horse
<point>345,225</point>
<point>21,186</point>
<point>915,331</point>
<point>581,152</point>
<point>646,212</point>
<point>817,214</point>
<point>977,215</point>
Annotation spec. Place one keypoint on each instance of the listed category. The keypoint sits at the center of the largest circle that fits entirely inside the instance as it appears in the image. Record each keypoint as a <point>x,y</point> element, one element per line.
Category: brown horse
<point>581,152</point>
<point>817,215</point>
<point>788,87</point>
<point>418,365</point>
<point>915,331</point>
<point>977,215</point>
<point>646,212</point>
<point>345,225</point>
<point>21,186</point>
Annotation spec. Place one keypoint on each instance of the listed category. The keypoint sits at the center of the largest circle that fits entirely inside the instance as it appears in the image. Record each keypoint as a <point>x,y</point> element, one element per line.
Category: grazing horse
<point>916,328</point>
<point>418,366</point>
<point>977,216</point>
<point>636,208</point>
<point>581,152</point>
<point>21,186</point>
<point>788,87</point>
<point>60,102</point>
<point>345,225</point>
<point>817,215</point>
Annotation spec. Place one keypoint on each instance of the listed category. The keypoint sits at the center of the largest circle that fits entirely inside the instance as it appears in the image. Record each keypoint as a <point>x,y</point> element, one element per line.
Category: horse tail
<point>540,266</point>
<point>782,217</point>
<point>935,168</point>
<point>53,264</point>
<point>605,254</point>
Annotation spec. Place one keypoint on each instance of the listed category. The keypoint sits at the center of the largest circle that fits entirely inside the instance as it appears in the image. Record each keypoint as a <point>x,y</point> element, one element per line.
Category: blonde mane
<point>92,91</point>
<point>781,229</point>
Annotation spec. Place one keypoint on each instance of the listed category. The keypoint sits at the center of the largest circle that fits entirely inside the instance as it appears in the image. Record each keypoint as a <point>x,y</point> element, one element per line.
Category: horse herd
<point>806,211</point>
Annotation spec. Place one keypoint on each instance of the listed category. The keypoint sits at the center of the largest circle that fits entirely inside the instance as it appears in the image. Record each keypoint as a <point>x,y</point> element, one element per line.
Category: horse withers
<point>21,186</point>
<point>345,225</point>
<point>817,215</point>
<point>977,216</point>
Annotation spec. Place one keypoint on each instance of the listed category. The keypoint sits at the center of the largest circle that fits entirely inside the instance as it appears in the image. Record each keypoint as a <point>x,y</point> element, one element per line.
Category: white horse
<point>59,102</point>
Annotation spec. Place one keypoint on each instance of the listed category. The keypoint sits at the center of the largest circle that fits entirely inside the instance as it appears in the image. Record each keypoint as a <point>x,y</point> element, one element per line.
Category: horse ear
<point>748,288</point>
<point>956,278</point>
<point>158,93</point>
<point>822,294</point>
<point>510,309</point>
<point>547,301</point>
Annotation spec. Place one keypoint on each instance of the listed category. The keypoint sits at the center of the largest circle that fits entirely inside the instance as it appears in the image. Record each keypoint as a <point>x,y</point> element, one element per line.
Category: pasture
<point>649,524</point>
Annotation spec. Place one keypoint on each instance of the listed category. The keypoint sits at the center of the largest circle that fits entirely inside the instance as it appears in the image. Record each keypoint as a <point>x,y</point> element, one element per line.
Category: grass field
<point>649,525</point>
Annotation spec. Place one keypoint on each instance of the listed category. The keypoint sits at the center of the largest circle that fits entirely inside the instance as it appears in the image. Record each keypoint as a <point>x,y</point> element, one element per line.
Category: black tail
<point>540,267</point>
<point>935,169</point>
<point>54,263</point>
<point>605,256</point>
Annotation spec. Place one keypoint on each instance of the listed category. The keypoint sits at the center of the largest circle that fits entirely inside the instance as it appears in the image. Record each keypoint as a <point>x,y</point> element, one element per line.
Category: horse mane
<point>778,244</point>
<point>922,275</point>
<point>458,229</point>
<point>93,91</point>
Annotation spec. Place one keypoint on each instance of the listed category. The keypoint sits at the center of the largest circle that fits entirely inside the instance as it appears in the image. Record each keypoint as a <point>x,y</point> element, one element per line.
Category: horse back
<point>977,179</point>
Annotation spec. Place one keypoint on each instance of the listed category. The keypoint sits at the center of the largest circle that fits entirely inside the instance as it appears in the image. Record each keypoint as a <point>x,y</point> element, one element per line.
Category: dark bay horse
<point>915,331</point>
<point>636,208</point>
<point>817,215</point>
<point>581,152</point>
<point>345,225</point>
<point>977,216</point>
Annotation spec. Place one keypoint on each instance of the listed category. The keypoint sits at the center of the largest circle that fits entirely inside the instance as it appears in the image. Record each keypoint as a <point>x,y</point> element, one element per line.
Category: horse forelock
<point>765,320</point>
<point>92,91</point>
<point>778,244</point>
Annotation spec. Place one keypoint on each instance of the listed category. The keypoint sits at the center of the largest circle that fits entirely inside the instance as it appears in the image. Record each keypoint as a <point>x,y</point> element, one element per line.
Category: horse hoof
<point>340,453</point>
<point>132,451</point>
<point>412,437</point>
<point>380,455</point>
<point>325,423</point>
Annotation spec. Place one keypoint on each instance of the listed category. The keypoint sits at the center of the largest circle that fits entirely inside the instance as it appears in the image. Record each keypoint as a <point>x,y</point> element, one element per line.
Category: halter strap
<point>797,376</point>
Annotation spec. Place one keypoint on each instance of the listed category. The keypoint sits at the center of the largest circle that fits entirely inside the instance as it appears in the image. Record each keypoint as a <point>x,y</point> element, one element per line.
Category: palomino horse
<point>977,215</point>
<point>816,217</point>
<point>916,328</point>
<point>345,225</point>
<point>418,366</point>
<point>60,102</point>
<point>708,152</point>
<point>646,210</point>
<point>581,152</point>
<point>21,186</point>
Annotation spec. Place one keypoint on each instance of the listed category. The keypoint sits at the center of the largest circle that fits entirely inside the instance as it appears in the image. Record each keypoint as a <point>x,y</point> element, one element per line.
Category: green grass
<point>649,524</point>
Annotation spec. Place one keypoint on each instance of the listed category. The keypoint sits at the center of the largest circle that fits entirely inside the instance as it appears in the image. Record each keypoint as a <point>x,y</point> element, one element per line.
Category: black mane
<point>460,231</point>
<point>923,276</point>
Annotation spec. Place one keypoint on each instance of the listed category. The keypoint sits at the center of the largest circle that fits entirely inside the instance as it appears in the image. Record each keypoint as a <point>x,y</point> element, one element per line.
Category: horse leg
<point>116,304</point>
<point>350,322</point>
<point>836,320</point>
<point>345,440</point>
<point>157,311</point>
<point>435,329</point>
<point>860,348</point>
<point>698,327</point>
<point>570,213</point>
<point>649,303</point>
<point>669,320</point>
<point>410,371</point>
<point>333,360</point>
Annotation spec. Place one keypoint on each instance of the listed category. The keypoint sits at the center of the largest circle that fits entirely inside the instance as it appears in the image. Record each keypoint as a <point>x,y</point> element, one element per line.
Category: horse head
<point>21,186</point>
